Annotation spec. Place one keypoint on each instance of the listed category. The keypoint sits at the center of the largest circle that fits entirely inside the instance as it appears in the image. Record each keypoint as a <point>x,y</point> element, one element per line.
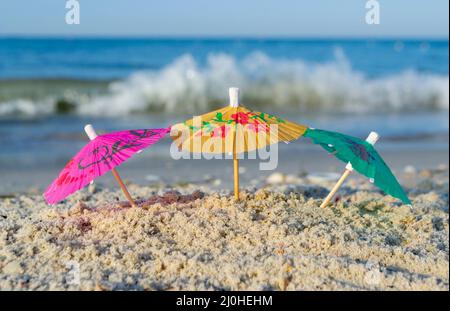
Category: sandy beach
<point>187,232</point>
<point>191,237</point>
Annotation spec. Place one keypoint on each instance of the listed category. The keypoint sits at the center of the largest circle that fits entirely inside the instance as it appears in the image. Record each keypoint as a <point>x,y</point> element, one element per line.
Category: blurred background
<point>147,64</point>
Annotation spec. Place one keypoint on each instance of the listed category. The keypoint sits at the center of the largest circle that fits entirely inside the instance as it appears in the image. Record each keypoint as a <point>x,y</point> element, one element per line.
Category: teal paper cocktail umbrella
<point>361,156</point>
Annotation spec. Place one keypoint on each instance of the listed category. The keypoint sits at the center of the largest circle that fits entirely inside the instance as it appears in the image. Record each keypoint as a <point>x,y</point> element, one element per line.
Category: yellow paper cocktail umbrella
<point>232,130</point>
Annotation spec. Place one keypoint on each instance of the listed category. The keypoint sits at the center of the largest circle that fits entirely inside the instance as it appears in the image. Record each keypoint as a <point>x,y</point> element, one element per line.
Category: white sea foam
<point>26,107</point>
<point>186,86</point>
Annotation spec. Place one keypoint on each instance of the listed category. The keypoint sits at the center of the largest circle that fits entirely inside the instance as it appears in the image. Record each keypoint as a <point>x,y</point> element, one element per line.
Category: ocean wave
<point>185,86</point>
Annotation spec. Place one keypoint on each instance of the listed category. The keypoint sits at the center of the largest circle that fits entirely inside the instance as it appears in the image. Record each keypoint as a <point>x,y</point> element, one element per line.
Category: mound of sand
<point>276,238</point>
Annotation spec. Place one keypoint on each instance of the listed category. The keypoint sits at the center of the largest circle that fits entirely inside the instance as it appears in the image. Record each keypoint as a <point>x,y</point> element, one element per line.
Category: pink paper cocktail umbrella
<point>102,154</point>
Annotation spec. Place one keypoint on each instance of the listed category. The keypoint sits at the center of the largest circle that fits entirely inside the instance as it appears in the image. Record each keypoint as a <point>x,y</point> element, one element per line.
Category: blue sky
<point>263,18</point>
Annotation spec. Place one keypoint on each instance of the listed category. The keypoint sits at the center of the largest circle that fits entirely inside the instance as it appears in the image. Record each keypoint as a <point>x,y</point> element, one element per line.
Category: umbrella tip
<point>372,138</point>
<point>90,132</point>
<point>234,96</point>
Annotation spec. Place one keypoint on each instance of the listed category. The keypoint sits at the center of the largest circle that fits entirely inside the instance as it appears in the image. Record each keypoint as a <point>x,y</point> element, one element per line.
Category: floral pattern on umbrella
<point>233,123</point>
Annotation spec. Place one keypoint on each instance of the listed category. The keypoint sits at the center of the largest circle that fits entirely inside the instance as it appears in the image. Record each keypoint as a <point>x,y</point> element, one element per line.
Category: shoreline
<point>150,167</point>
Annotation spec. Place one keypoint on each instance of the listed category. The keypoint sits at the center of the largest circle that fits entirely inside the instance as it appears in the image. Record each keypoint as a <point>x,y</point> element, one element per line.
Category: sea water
<point>51,87</point>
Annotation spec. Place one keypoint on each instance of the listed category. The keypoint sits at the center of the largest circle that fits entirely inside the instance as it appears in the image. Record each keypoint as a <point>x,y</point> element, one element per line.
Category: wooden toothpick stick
<point>236,177</point>
<point>123,187</point>
<point>90,131</point>
<point>371,139</point>
<point>335,188</point>
<point>233,92</point>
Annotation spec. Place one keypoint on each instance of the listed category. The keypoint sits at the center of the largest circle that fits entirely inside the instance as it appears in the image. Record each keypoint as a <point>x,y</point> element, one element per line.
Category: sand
<point>191,237</point>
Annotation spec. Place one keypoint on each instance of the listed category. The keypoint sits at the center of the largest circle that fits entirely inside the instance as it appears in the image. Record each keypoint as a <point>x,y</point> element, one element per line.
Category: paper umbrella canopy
<point>100,155</point>
<point>363,158</point>
<point>234,130</point>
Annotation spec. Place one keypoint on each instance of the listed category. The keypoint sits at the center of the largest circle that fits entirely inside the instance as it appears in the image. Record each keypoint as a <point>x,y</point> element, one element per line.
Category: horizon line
<point>225,37</point>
